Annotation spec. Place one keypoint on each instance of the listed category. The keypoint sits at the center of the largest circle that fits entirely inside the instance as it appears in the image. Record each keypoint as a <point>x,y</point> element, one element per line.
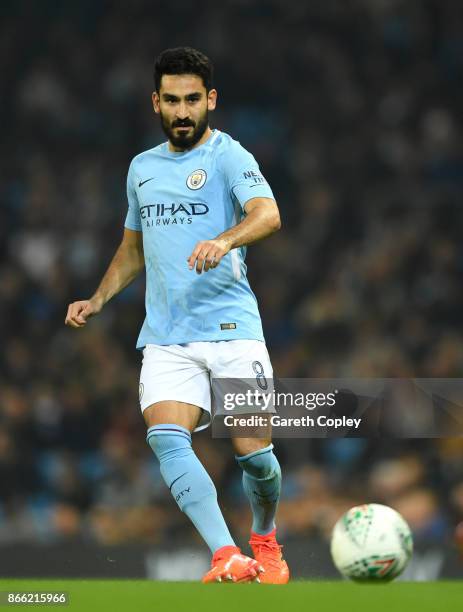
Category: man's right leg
<point>170,424</point>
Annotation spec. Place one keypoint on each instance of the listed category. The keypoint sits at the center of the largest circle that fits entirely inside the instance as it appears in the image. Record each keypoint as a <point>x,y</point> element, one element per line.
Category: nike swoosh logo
<point>145,181</point>
<point>174,481</point>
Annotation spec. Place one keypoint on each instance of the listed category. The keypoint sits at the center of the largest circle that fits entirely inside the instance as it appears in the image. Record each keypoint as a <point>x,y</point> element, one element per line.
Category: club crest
<point>196,179</point>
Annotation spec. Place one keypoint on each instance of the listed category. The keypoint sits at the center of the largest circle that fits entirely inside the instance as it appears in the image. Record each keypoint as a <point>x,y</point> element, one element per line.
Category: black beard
<point>185,141</point>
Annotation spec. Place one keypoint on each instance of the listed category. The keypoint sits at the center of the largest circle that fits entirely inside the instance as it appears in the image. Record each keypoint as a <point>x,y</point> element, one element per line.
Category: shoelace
<point>266,551</point>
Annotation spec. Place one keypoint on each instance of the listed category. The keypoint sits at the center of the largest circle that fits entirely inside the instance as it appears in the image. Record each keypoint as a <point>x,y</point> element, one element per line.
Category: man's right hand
<point>79,312</point>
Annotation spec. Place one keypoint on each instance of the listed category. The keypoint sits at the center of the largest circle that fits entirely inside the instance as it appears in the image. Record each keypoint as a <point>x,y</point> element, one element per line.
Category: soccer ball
<point>371,543</point>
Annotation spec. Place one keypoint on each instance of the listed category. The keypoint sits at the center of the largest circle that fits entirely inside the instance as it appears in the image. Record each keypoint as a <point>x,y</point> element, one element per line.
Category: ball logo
<point>196,179</point>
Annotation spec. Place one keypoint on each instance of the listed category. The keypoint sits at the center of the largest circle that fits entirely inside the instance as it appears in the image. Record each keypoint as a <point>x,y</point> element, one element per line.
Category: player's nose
<point>182,111</point>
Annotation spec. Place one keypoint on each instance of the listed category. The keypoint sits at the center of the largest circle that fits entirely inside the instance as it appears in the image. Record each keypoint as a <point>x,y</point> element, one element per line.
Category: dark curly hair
<point>183,60</point>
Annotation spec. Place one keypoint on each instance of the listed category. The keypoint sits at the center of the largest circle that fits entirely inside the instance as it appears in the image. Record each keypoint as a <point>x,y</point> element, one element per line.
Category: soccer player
<point>194,203</point>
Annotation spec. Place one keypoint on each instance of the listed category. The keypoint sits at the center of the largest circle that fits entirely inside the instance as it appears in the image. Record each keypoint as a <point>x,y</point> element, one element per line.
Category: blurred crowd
<point>353,110</point>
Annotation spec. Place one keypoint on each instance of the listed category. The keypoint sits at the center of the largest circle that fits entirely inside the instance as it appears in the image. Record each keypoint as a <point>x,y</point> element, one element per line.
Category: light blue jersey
<point>176,200</point>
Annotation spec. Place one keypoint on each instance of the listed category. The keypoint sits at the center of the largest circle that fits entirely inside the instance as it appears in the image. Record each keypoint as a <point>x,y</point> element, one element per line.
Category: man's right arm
<point>126,264</point>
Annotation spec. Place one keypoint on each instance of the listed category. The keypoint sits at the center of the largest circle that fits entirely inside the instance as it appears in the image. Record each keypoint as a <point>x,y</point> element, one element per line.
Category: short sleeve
<point>132,220</point>
<point>244,176</point>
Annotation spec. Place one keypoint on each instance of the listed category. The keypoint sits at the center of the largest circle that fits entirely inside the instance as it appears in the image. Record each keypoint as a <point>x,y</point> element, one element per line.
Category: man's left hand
<point>207,254</point>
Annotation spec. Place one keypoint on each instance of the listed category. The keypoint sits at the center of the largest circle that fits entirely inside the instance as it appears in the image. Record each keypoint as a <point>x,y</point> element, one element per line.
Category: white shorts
<point>183,372</point>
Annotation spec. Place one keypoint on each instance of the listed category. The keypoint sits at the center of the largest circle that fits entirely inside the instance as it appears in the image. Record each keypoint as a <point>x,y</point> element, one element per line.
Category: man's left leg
<point>248,361</point>
<point>262,485</point>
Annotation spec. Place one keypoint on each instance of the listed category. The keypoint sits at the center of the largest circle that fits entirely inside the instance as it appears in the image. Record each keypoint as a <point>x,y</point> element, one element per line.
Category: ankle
<point>271,535</point>
<point>225,551</point>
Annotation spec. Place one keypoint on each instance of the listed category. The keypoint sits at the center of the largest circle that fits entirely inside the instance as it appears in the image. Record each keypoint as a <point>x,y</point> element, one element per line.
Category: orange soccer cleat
<point>229,564</point>
<point>267,552</point>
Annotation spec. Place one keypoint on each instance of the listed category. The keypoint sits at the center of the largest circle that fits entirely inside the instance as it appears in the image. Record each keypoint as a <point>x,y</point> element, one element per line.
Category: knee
<point>247,446</point>
<point>261,464</point>
<point>168,441</point>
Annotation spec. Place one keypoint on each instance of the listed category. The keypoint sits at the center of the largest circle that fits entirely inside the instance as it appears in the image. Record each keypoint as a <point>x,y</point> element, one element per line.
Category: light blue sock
<point>262,485</point>
<point>189,483</point>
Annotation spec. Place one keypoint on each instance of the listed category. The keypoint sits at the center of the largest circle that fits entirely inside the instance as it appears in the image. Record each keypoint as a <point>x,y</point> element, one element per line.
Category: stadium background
<point>353,109</point>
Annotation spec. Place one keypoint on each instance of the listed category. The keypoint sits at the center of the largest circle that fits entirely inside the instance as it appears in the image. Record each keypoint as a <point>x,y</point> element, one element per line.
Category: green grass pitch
<point>140,595</point>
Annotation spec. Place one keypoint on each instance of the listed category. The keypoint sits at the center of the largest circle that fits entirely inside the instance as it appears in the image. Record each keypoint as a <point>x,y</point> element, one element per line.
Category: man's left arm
<point>262,219</point>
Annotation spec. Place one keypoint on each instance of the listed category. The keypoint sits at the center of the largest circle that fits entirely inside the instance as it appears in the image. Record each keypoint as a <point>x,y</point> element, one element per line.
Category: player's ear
<point>155,99</point>
<point>211,99</point>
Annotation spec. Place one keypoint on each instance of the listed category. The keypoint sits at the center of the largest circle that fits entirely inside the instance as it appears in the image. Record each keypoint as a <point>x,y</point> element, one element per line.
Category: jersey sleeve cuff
<point>131,226</point>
